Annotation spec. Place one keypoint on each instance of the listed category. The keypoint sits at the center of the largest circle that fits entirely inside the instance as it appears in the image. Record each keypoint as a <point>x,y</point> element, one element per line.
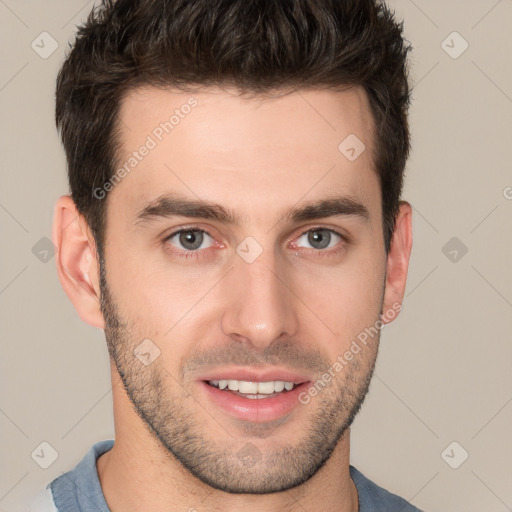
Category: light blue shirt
<point>79,490</point>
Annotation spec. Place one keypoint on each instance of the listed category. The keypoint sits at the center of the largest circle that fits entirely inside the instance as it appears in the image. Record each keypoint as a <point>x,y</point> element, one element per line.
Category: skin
<point>295,307</point>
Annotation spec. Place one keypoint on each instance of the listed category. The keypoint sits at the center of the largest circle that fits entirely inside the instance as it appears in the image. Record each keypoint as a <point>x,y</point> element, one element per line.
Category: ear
<point>77,261</point>
<point>398,263</point>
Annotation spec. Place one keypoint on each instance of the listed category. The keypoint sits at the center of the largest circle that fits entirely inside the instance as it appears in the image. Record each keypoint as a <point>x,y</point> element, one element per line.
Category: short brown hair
<point>256,45</point>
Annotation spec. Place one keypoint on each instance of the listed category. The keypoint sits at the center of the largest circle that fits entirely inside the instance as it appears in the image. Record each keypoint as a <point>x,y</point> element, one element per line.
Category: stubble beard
<point>233,465</point>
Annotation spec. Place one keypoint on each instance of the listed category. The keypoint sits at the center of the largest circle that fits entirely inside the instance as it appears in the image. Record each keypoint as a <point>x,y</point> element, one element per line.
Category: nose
<point>261,307</point>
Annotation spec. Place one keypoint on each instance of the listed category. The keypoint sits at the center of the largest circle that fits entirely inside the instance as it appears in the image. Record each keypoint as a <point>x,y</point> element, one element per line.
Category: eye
<point>191,239</point>
<point>319,238</point>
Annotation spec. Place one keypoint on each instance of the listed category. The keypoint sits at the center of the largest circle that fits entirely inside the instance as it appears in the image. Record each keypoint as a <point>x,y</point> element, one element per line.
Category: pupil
<point>319,239</point>
<point>191,239</point>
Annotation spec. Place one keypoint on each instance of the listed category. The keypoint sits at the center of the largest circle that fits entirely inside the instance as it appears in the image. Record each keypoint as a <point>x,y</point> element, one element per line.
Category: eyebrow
<point>332,207</point>
<point>171,205</point>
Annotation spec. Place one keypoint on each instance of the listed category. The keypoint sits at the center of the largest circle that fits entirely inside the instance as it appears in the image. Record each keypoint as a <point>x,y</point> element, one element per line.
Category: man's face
<point>268,263</point>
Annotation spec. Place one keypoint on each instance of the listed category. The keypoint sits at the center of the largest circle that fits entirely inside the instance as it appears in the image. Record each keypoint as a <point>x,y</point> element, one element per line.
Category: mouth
<point>253,390</point>
<point>252,395</point>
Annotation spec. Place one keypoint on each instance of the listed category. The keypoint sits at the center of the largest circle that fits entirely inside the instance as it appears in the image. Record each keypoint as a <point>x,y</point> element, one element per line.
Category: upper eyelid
<point>317,228</point>
<point>202,230</point>
<point>345,238</point>
<point>184,230</point>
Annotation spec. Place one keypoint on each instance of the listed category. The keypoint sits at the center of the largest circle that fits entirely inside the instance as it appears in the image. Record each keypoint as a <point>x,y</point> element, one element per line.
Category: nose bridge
<point>260,308</point>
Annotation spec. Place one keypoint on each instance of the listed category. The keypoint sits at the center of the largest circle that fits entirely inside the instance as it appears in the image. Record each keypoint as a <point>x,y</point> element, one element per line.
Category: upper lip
<point>255,375</point>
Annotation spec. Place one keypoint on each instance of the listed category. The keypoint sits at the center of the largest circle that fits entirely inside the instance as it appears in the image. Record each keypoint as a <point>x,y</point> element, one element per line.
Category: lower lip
<point>257,410</point>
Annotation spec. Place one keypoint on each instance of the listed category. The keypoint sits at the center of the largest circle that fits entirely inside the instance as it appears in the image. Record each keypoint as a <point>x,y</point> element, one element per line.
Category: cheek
<point>345,301</point>
<point>150,291</point>
<point>169,305</point>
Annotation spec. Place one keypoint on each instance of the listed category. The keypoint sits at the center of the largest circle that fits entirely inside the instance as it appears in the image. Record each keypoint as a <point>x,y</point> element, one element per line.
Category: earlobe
<point>76,259</point>
<point>398,263</point>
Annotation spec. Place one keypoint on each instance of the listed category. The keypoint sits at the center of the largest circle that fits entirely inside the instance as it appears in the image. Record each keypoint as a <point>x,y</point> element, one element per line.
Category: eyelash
<point>186,254</point>
<point>197,253</point>
<point>326,252</point>
<point>339,248</point>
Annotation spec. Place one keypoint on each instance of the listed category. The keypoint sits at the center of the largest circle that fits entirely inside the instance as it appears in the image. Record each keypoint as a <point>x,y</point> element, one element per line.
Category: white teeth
<point>253,388</point>
<point>266,388</point>
<point>248,388</point>
<point>233,385</point>
<point>279,386</point>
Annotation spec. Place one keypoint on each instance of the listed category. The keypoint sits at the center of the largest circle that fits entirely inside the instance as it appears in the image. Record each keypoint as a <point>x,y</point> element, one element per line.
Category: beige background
<point>444,370</point>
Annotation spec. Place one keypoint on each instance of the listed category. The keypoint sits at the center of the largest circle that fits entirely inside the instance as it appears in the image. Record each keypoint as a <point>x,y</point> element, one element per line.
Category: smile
<point>253,390</point>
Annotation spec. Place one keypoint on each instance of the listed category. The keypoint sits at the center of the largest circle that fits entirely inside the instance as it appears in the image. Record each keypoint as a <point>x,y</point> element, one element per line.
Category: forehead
<point>248,152</point>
